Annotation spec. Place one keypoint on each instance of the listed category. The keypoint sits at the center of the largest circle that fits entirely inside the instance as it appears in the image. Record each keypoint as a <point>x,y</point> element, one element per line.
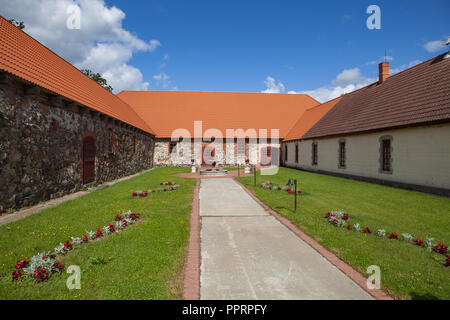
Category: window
<point>285,152</point>
<point>342,154</point>
<point>386,154</point>
<point>172,147</point>
<point>314,154</point>
<point>110,140</point>
<point>296,153</point>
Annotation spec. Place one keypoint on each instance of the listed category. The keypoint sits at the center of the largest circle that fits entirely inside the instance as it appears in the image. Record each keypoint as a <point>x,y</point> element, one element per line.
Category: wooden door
<point>88,159</point>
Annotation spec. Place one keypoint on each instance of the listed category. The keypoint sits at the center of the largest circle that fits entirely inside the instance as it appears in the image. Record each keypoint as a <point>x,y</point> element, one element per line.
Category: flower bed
<point>167,186</point>
<point>270,186</point>
<point>43,265</point>
<point>339,219</point>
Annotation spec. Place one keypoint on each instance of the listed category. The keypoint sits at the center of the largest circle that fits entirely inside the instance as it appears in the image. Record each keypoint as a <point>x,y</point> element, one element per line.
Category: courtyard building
<point>59,130</point>
<point>395,131</point>
<point>221,128</point>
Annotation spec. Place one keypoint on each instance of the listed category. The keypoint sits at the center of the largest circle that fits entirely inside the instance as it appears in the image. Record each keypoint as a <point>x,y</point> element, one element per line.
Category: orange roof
<point>170,110</point>
<point>26,58</point>
<point>310,118</point>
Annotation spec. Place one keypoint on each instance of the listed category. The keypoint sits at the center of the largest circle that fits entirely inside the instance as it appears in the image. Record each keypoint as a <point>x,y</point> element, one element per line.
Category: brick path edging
<point>192,270</point>
<point>353,274</point>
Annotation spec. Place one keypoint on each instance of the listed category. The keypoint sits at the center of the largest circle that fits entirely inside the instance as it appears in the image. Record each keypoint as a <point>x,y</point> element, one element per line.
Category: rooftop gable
<point>309,119</point>
<point>417,95</point>
<point>170,110</point>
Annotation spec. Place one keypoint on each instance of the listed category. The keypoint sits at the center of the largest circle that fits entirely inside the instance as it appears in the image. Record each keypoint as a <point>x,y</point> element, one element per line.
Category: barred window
<point>314,154</point>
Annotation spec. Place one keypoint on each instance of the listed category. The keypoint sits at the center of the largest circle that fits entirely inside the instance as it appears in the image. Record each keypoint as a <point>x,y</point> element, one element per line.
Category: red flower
<point>447,262</point>
<point>288,189</point>
<point>279,188</point>
<point>16,274</point>
<point>118,217</point>
<point>270,188</point>
<point>393,235</point>
<point>367,230</point>
<point>419,242</point>
<point>327,215</point>
<point>165,189</point>
<point>67,245</point>
<point>99,233</point>
<point>349,227</point>
<point>441,248</point>
<point>345,216</point>
<point>58,265</point>
<point>169,183</point>
<point>134,194</point>
<point>299,191</point>
<point>111,228</point>
<point>84,238</point>
<point>161,184</point>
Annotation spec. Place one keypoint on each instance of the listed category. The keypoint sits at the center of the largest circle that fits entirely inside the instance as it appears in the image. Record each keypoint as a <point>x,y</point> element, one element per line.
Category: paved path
<point>247,254</point>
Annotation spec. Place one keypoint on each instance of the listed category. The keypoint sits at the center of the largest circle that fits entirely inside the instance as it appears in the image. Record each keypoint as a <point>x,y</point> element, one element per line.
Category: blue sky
<point>235,45</point>
<point>303,46</point>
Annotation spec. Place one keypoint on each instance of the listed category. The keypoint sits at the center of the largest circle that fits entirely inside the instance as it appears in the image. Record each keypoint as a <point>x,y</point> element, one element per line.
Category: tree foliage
<point>18,24</point>
<point>97,78</point>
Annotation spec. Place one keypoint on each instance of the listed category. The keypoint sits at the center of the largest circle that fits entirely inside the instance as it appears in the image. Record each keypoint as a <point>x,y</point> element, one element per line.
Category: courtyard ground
<point>145,261</point>
<point>248,254</point>
<point>407,271</point>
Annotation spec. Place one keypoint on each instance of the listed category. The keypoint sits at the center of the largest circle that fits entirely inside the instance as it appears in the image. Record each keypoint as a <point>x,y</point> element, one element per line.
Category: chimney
<point>383,70</point>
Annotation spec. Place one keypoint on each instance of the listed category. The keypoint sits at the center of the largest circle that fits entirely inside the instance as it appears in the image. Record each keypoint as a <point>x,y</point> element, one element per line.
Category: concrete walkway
<point>247,254</point>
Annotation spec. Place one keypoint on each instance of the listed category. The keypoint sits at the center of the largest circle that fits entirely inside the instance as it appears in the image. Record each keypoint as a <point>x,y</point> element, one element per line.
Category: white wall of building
<point>420,155</point>
<point>225,153</point>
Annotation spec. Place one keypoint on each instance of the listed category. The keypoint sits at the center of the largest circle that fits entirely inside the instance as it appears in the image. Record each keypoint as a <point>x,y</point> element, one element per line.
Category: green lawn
<point>145,261</point>
<point>407,271</point>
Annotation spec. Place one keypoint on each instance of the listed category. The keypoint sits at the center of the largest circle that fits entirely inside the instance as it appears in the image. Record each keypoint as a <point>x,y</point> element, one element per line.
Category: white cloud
<point>404,66</point>
<point>345,82</point>
<point>433,46</point>
<point>162,80</point>
<point>101,44</point>
<point>272,86</point>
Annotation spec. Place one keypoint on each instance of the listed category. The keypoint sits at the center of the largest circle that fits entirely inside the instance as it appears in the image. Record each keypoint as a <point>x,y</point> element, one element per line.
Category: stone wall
<point>225,153</point>
<point>41,146</point>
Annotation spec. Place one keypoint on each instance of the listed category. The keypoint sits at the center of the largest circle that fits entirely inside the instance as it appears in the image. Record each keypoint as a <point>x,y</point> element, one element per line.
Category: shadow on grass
<point>426,296</point>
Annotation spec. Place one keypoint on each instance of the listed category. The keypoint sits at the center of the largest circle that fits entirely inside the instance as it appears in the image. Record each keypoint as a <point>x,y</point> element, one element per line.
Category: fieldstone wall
<point>41,147</point>
<point>225,153</point>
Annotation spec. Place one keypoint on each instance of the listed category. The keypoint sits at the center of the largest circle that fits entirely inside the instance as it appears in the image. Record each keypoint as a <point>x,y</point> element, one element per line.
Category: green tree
<point>18,24</point>
<point>97,78</point>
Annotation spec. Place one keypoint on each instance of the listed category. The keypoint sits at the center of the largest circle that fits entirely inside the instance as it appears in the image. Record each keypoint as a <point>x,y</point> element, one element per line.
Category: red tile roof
<point>169,110</point>
<point>26,58</point>
<point>417,95</point>
<point>309,119</point>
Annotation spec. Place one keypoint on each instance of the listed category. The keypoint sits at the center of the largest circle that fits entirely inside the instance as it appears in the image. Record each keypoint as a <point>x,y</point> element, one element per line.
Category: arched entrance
<point>208,154</point>
<point>89,151</point>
